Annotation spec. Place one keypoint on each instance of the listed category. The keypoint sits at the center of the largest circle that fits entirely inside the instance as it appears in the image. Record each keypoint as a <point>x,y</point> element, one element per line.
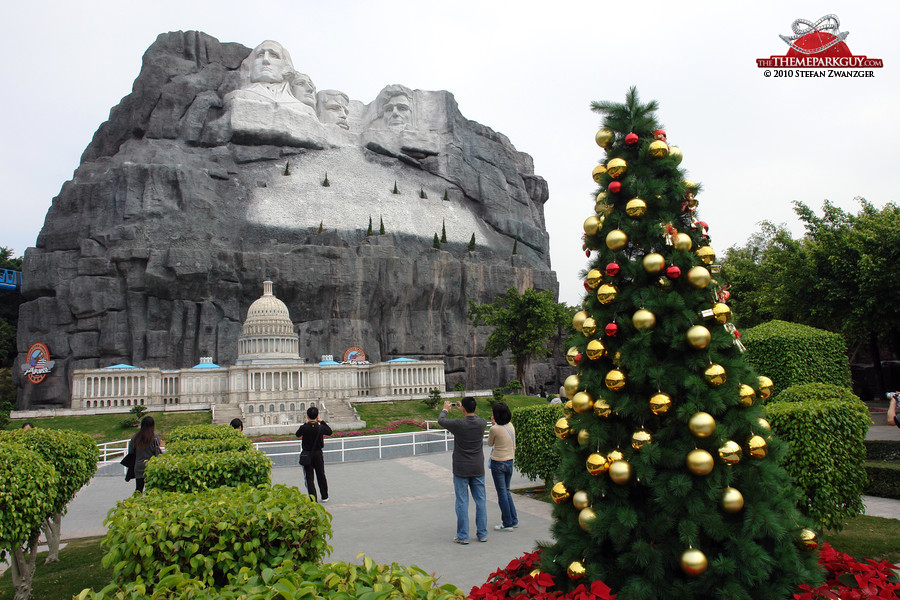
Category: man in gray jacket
<point>468,468</point>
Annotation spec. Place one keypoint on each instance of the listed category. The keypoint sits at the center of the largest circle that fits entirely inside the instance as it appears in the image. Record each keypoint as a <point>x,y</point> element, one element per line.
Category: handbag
<point>306,458</point>
<point>128,463</point>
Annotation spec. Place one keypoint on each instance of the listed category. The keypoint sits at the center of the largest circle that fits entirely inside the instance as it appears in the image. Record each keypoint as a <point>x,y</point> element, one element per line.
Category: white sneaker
<point>502,528</point>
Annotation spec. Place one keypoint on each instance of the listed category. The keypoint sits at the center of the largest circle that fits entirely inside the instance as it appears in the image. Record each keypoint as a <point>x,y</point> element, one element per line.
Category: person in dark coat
<point>145,444</point>
<point>312,440</point>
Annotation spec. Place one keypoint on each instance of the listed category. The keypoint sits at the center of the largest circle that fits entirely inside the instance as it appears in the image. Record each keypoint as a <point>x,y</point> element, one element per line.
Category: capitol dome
<point>268,332</point>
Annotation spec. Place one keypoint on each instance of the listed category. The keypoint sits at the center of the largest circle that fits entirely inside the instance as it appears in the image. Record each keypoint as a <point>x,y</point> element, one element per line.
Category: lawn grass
<point>78,568</point>
<point>108,428</point>
<point>382,414</point>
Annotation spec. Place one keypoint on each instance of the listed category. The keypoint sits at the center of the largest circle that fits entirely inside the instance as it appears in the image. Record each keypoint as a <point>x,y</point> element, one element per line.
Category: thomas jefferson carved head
<point>333,107</point>
<point>395,107</point>
<point>304,89</point>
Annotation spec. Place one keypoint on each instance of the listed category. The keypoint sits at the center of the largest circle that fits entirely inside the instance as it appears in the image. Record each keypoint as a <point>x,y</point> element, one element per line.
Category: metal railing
<point>110,451</point>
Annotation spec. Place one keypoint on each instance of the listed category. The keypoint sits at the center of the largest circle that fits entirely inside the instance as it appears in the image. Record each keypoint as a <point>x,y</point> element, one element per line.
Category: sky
<point>526,69</point>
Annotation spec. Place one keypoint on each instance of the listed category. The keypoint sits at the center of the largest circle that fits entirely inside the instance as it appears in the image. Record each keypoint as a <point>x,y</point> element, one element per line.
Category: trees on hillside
<point>525,325</point>
<point>9,310</point>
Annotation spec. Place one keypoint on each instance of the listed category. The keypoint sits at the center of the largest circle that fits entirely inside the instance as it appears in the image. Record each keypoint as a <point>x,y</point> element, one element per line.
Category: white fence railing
<point>110,451</point>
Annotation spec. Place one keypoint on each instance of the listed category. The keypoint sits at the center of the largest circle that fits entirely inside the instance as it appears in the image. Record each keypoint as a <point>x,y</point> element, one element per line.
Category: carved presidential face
<point>269,64</point>
<point>334,108</point>
<point>303,89</point>
<point>397,112</point>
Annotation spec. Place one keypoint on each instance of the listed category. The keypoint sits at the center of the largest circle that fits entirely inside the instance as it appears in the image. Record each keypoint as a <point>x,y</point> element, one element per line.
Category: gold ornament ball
<point>763,424</point>
<point>693,562</point>
<point>690,187</point>
<point>721,312</point>
<point>584,437</point>
<point>616,239</point>
<point>567,408</point>
<point>596,464</point>
<point>580,499</point>
<point>730,453</point>
<point>675,153</point>
<point>706,255</point>
<point>594,278</point>
<point>660,403</point>
<point>605,138</point>
<point>757,446</point>
<point>698,337</point>
<point>602,208</point>
<point>595,349</point>
<point>578,319</point>
<point>620,471</point>
<point>616,167</point>
<point>562,429</point>
<point>586,517</point>
<point>746,394</point>
<point>808,540</point>
<point>699,462</point>
<point>765,386</point>
<point>715,375</point>
<point>615,380</point>
<point>598,173</point>
<point>592,224</point>
<point>606,293</point>
<point>602,408</point>
<point>653,262</point>
<point>614,456</point>
<point>659,149</point>
<point>732,501</point>
<point>699,277</point>
<point>643,320</point>
<point>702,424</point>
<point>636,208</point>
<point>576,571</point>
<point>641,438</point>
<point>559,493</point>
<point>572,356</point>
<point>682,241</point>
<point>571,385</point>
<point>589,327</point>
<point>582,402</point>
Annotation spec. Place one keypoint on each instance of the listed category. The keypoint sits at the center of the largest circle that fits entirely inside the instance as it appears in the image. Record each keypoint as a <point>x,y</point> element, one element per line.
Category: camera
<point>454,404</point>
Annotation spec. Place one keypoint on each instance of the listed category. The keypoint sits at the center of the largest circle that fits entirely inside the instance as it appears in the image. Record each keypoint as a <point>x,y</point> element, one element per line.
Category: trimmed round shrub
<point>825,426</point>
<point>793,354</point>
<point>207,470</point>
<point>193,446</point>
<point>203,432</point>
<point>536,454</point>
<point>28,492</point>
<point>211,535</point>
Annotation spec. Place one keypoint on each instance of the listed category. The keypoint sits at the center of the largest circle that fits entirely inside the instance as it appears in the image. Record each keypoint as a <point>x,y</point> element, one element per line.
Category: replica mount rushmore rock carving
<point>211,172</point>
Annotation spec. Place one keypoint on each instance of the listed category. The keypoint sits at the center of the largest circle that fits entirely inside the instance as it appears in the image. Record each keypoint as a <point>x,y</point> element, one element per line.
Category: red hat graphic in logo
<point>37,363</point>
<point>824,37</point>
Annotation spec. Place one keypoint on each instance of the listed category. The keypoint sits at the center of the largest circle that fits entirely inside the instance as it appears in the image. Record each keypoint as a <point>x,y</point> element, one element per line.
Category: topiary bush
<point>536,454</point>
<point>825,426</point>
<point>884,479</point>
<point>308,581</point>
<point>203,432</point>
<point>207,470</point>
<point>882,450</point>
<point>211,535</point>
<point>792,354</point>
<point>195,446</point>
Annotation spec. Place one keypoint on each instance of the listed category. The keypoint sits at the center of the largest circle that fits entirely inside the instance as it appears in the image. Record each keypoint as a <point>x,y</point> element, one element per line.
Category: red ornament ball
<point>659,134</point>
<point>587,253</point>
<point>612,329</point>
<point>615,187</point>
<point>704,225</point>
<point>612,269</point>
<point>631,139</point>
<point>587,288</point>
<point>673,272</point>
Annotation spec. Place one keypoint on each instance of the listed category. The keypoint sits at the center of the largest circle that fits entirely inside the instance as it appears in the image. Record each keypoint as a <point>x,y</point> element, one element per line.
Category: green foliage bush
<point>884,479</point>
<point>434,398</point>
<point>203,432</point>
<point>536,454</point>
<point>28,494</point>
<point>308,581</point>
<point>212,534</point>
<point>792,354</point>
<point>825,426</point>
<point>195,446</point>
<point>882,450</point>
<point>207,470</point>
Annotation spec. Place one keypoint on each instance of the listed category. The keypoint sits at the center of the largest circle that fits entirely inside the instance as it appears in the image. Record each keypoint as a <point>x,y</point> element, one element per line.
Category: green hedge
<point>792,354</point>
<point>203,432</point>
<point>194,446</point>
<point>884,479</point>
<point>825,426</point>
<point>882,450</point>
<point>536,454</point>
<point>308,581</point>
<point>211,535</point>
<point>28,493</point>
<point>207,470</point>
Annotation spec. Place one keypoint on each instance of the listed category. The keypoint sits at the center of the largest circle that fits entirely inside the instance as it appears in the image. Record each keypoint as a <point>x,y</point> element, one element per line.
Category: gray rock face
<point>155,249</point>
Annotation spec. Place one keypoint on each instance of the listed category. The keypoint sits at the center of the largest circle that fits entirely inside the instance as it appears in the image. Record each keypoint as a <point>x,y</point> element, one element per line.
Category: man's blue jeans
<point>461,486</point>
<point>502,472</point>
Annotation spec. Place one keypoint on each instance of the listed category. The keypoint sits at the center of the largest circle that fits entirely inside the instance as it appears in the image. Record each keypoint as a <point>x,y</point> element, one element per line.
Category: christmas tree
<point>669,485</point>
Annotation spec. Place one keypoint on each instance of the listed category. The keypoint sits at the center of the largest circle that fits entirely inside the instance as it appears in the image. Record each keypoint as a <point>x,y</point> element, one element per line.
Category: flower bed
<point>847,579</point>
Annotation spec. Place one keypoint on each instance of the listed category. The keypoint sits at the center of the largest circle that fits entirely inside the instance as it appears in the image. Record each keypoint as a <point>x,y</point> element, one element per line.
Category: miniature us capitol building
<point>269,384</point>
